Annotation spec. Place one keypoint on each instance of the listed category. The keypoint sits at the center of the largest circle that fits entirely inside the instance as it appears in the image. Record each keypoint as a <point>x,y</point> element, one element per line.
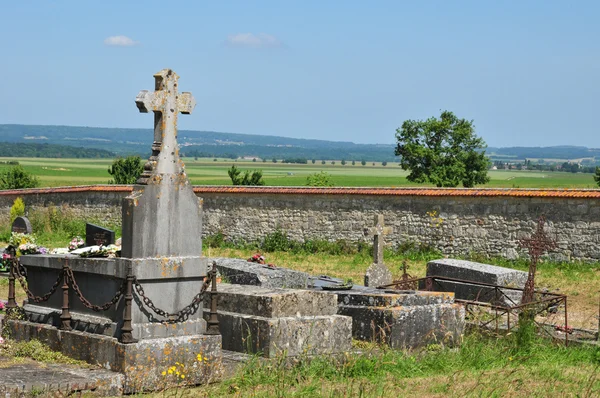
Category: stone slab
<point>478,272</point>
<point>473,271</point>
<point>31,378</point>
<point>143,268</point>
<point>141,363</point>
<point>407,326</point>
<point>468,291</point>
<point>273,302</point>
<point>242,272</point>
<point>392,298</point>
<point>290,336</point>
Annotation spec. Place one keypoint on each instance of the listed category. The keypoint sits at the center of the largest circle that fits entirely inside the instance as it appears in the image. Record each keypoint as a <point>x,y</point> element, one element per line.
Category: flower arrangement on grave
<point>109,251</point>
<point>76,243</point>
<point>24,244</point>
<point>5,262</point>
<point>257,258</point>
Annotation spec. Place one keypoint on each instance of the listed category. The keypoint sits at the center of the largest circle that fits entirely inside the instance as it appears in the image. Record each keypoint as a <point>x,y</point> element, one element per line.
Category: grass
<point>13,352</point>
<point>65,172</point>
<point>481,366</point>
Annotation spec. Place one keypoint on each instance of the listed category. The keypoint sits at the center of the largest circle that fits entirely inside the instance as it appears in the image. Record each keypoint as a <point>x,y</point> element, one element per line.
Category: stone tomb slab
<point>478,272</point>
<point>274,321</point>
<point>141,363</point>
<point>403,319</point>
<point>242,272</point>
<point>173,281</point>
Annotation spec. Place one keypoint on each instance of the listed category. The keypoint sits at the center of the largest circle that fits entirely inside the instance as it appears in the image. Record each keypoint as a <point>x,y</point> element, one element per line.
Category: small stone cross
<point>377,232</point>
<point>166,103</point>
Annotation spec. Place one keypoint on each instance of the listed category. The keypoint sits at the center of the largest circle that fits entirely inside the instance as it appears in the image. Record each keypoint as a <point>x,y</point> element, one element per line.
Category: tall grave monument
<point>153,316</point>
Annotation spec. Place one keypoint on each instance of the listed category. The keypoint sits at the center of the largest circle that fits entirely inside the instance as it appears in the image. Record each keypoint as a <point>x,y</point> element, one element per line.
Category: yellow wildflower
<point>183,376</point>
<point>170,371</point>
<point>164,373</point>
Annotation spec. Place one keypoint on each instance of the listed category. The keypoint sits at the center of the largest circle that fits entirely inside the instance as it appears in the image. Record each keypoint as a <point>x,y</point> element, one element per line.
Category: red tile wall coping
<point>510,192</point>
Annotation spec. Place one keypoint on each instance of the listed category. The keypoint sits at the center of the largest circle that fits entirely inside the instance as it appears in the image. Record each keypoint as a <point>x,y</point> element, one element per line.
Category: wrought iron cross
<point>166,103</point>
<point>537,244</point>
<point>377,232</point>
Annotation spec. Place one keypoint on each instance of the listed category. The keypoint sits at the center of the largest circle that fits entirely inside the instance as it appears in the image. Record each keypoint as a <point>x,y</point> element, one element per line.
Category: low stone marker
<point>477,272</point>
<point>242,272</point>
<point>378,273</point>
<point>99,236</point>
<point>403,319</point>
<point>21,225</point>
<point>275,321</point>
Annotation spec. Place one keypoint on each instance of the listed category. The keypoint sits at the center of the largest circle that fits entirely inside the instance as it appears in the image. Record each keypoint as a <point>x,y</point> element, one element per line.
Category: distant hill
<point>196,143</point>
<point>110,142</point>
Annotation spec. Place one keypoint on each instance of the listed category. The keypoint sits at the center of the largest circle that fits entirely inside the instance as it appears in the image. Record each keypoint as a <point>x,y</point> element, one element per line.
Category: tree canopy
<point>17,177</point>
<point>597,176</point>
<point>445,151</point>
<point>254,178</point>
<point>126,170</point>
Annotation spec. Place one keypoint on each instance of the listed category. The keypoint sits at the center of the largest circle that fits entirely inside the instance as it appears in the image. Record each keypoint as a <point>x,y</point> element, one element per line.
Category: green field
<point>67,172</point>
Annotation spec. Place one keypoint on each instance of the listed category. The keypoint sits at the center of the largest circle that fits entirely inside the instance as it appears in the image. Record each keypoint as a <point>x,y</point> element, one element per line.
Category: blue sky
<point>527,72</point>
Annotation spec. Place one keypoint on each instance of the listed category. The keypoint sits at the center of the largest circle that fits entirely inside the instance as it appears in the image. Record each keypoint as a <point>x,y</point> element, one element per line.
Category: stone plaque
<point>21,225</point>
<point>97,236</point>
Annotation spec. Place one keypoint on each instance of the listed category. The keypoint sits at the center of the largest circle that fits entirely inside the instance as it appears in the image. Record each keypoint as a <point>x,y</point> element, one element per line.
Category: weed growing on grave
<point>37,351</point>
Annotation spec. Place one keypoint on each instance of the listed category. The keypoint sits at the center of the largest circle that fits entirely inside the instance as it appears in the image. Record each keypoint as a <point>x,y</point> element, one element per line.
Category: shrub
<point>126,171</point>
<point>18,178</point>
<point>17,209</point>
<point>321,179</point>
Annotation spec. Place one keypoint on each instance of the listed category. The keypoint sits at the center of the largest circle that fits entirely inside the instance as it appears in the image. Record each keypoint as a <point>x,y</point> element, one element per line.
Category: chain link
<point>175,317</point>
<point>86,303</point>
<point>30,295</point>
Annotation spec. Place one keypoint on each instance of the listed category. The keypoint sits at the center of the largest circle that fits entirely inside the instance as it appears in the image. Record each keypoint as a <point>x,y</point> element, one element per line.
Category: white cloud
<point>261,40</point>
<point>120,41</point>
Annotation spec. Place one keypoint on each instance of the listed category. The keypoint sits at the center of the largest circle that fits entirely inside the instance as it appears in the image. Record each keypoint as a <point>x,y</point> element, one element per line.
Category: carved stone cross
<point>378,232</point>
<point>378,274</point>
<point>166,103</point>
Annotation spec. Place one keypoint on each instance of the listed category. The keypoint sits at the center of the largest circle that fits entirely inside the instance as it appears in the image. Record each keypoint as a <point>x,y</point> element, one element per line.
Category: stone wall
<point>456,221</point>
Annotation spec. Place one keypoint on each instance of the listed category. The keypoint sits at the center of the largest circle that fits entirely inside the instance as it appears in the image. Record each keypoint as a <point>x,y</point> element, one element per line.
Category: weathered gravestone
<point>21,225</point>
<point>273,321</point>
<point>161,262</point>
<point>378,273</point>
<point>243,272</point>
<point>470,271</point>
<point>99,236</point>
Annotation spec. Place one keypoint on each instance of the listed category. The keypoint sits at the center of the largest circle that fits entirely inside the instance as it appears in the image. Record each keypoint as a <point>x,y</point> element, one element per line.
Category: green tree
<point>384,163</point>
<point>353,163</point>
<point>597,176</point>
<point>321,179</point>
<point>343,162</point>
<point>445,151</point>
<point>363,162</point>
<point>17,177</point>
<point>313,161</point>
<point>126,170</point>
<point>323,162</point>
<point>274,160</point>
<point>254,178</point>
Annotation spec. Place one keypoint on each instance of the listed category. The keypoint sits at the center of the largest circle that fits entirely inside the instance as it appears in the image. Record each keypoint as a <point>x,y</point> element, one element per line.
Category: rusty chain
<point>30,295</point>
<point>86,303</point>
<point>180,315</point>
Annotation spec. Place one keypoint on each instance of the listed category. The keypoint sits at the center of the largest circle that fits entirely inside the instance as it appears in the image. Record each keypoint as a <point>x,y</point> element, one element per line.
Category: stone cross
<point>378,274</point>
<point>378,232</point>
<point>166,103</point>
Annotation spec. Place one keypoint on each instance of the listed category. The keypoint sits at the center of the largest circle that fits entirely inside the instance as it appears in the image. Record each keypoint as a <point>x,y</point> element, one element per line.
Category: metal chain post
<point>127,328</point>
<point>65,316</point>
<point>12,302</point>
<point>213,320</point>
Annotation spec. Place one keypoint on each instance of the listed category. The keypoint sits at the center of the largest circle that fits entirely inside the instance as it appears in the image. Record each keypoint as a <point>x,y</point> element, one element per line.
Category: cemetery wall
<point>456,221</point>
